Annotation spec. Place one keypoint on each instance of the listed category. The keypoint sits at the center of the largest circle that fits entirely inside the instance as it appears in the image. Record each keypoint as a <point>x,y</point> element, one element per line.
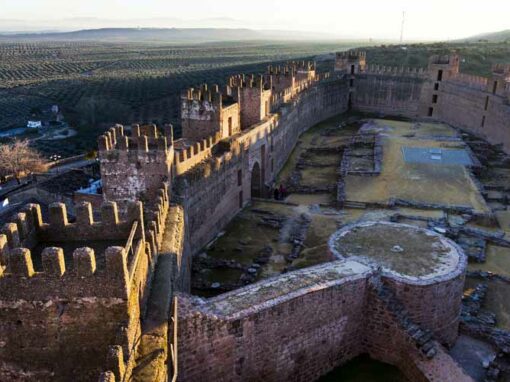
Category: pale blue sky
<point>425,19</point>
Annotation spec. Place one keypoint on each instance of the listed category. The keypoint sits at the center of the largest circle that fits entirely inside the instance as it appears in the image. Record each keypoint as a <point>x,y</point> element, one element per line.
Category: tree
<point>18,158</point>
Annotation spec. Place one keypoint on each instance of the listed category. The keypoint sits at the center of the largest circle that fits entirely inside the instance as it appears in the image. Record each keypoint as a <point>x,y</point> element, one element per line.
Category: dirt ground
<point>442,185</point>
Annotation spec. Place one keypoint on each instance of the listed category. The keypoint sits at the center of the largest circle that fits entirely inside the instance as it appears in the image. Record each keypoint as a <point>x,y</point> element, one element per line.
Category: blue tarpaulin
<point>439,156</point>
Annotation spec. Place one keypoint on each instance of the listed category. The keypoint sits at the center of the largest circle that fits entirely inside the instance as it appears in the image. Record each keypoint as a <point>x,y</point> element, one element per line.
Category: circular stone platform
<point>401,250</point>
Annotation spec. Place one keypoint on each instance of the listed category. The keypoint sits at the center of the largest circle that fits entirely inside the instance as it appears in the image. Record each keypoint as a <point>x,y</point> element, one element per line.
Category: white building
<point>34,124</point>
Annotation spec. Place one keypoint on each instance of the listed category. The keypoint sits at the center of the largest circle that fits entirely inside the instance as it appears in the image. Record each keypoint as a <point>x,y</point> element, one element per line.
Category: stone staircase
<point>435,364</point>
<point>421,337</point>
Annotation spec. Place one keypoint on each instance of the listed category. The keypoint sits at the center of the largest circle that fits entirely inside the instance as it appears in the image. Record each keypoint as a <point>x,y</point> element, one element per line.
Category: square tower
<point>206,112</point>
<point>499,83</point>
<point>254,97</point>
<point>351,62</point>
<point>443,67</point>
<point>134,166</point>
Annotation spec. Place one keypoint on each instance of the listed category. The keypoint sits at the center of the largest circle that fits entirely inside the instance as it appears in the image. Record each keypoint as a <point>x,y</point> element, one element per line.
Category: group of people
<point>280,193</point>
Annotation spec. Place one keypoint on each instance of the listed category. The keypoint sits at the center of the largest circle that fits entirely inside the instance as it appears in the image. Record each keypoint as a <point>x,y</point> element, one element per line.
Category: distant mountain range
<point>181,34</point>
<point>173,35</point>
<point>501,36</point>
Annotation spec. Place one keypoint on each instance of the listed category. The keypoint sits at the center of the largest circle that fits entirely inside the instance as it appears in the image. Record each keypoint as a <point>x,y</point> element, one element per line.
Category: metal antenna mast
<point>402,26</point>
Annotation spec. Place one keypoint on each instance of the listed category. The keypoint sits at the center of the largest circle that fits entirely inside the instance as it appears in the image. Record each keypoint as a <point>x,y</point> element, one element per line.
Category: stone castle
<point>87,299</point>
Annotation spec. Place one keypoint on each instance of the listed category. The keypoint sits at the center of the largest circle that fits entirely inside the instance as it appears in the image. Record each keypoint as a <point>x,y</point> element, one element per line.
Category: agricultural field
<point>99,83</point>
<point>476,57</point>
<point>96,84</point>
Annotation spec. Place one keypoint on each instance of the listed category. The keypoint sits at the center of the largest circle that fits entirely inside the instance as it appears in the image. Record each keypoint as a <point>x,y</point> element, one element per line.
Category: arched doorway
<point>256,181</point>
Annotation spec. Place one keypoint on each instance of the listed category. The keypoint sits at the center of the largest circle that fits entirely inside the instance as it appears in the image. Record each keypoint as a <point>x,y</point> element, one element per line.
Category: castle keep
<point>110,296</point>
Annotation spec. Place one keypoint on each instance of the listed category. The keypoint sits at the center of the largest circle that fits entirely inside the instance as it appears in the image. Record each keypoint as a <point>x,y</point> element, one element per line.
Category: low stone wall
<point>272,340</point>
<point>303,324</point>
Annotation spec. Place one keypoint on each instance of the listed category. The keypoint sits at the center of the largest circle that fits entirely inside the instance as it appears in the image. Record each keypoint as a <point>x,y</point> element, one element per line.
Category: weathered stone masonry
<point>299,326</point>
<point>88,307</point>
<point>85,306</point>
<point>211,193</point>
<point>440,92</point>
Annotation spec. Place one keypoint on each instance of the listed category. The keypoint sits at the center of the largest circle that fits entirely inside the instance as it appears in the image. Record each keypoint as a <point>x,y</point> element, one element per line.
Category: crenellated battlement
<point>206,111</point>
<point>28,229</point>
<point>143,139</point>
<point>249,81</point>
<point>350,62</point>
<point>83,279</point>
<point>212,164</point>
<point>395,70</point>
<point>501,69</point>
<point>203,93</point>
<point>291,68</point>
<point>188,155</point>
<point>447,59</point>
<point>28,233</point>
<point>155,219</point>
<point>352,55</point>
<point>84,275</point>
<point>469,80</point>
<point>289,80</point>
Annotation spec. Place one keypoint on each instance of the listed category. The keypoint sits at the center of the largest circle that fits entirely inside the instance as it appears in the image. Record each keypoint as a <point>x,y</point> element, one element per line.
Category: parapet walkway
<point>151,363</point>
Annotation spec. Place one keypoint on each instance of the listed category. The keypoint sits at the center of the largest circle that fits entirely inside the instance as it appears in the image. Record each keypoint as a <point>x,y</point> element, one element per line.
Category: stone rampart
<point>214,190</point>
<point>301,325</point>
<point>84,306</point>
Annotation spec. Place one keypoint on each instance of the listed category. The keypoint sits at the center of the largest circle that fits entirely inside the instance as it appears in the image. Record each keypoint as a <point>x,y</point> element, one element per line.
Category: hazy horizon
<point>434,20</point>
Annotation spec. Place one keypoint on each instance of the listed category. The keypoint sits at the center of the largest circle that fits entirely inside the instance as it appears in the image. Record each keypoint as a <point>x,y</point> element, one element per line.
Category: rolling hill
<point>173,35</point>
<point>501,36</point>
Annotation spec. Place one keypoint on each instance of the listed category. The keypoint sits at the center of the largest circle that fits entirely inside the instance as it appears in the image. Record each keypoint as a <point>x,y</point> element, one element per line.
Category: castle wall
<point>211,197</point>
<point>210,192</point>
<point>477,104</point>
<point>294,339</point>
<point>462,104</point>
<point>389,93</point>
<point>86,311</point>
<point>301,325</point>
<point>230,120</point>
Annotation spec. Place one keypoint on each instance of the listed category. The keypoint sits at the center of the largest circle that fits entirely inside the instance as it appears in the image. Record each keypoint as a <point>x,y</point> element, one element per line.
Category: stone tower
<point>499,83</point>
<point>443,67</point>
<point>352,62</point>
<point>254,97</point>
<point>206,112</point>
<point>134,167</point>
